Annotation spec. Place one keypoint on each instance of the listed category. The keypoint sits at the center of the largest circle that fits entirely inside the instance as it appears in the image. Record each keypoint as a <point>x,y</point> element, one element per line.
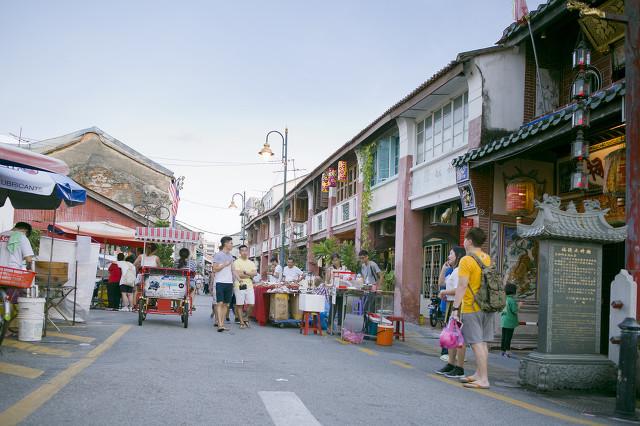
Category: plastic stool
<point>357,308</point>
<point>316,325</point>
<point>398,332</point>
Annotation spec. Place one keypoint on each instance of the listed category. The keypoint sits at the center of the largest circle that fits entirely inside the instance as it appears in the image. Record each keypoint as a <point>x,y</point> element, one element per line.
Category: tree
<point>165,251</point>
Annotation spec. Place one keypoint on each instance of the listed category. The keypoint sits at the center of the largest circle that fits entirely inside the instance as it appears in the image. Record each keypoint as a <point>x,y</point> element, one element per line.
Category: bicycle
<point>436,315</point>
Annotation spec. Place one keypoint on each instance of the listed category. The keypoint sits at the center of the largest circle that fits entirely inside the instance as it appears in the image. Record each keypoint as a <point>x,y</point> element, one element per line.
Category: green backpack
<point>491,297</point>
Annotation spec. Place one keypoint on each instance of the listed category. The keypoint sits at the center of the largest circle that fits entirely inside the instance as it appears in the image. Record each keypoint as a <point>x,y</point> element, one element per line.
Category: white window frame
<point>392,139</point>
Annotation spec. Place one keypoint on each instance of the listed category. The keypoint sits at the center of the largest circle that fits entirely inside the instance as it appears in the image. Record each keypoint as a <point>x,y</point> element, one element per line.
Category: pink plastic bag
<point>451,336</point>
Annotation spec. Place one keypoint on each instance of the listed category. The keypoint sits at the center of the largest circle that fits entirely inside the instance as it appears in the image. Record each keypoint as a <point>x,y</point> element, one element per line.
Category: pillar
<point>311,262</point>
<point>332,203</point>
<point>408,244</point>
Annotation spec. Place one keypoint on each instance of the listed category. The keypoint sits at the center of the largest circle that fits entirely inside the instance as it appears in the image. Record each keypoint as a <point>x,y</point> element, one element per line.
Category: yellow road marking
<point>344,342</point>
<point>368,351</point>
<point>29,404</point>
<point>402,364</point>
<point>19,370</point>
<point>521,404</point>
<point>40,349</point>
<point>74,337</point>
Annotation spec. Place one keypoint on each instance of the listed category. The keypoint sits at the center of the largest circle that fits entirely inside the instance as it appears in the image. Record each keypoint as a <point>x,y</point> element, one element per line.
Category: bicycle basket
<point>11,277</point>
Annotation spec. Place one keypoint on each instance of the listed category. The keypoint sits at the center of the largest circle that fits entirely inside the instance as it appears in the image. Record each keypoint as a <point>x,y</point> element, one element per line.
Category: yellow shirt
<point>241,265</point>
<point>469,268</point>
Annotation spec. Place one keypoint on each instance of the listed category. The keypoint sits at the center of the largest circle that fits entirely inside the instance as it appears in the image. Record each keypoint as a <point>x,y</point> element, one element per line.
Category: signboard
<point>165,286</point>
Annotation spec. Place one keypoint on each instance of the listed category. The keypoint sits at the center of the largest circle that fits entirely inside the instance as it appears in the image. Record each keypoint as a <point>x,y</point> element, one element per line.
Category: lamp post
<point>266,154</point>
<point>232,205</point>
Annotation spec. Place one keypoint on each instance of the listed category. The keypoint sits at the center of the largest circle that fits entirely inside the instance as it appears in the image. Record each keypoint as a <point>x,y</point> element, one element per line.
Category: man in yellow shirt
<point>478,325</point>
<point>243,287</point>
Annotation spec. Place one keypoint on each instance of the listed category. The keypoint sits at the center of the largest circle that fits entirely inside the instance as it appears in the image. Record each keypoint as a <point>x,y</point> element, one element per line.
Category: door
<point>434,253</point>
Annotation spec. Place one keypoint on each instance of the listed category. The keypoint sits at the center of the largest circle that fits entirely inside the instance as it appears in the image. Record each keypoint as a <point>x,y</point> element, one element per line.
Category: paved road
<point>162,374</point>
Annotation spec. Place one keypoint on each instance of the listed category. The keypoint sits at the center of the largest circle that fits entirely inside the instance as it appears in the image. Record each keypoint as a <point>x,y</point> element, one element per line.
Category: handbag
<point>451,336</point>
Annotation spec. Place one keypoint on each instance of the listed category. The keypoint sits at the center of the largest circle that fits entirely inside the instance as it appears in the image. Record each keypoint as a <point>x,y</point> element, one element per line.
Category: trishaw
<point>165,291</point>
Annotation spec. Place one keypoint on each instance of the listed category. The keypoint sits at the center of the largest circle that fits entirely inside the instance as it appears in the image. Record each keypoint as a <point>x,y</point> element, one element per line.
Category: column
<point>408,245</point>
<point>359,186</point>
<point>311,262</point>
<point>332,203</point>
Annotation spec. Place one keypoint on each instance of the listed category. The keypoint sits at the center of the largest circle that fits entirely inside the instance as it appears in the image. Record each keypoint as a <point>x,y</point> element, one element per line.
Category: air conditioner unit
<point>387,228</point>
<point>445,215</point>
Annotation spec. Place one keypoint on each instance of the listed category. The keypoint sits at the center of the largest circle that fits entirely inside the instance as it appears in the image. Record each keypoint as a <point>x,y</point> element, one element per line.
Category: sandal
<point>220,329</point>
<point>243,326</point>
<point>467,379</point>
<point>474,385</point>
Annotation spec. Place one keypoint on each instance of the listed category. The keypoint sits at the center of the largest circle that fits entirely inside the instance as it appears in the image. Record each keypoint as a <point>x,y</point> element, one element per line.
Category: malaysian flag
<point>520,10</point>
<point>174,194</point>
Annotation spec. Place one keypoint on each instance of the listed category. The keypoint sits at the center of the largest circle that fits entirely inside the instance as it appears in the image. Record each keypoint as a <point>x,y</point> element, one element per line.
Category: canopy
<point>14,156</point>
<point>35,189</point>
<point>167,235</point>
<point>102,232</point>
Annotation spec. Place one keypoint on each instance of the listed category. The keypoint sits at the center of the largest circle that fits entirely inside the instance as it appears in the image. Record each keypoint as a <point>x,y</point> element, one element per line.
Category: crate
<point>55,274</point>
<point>279,307</point>
<point>19,278</point>
<point>311,302</point>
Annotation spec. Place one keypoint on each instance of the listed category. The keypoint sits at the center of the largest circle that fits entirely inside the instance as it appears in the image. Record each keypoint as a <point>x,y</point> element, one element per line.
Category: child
<point>509,319</point>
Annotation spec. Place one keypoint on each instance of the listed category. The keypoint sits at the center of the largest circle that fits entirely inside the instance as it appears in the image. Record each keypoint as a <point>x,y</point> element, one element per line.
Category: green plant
<point>324,249</point>
<point>348,255</point>
<point>34,240</point>
<point>388,281</point>
<point>164,251</point>
<point>366,168</point>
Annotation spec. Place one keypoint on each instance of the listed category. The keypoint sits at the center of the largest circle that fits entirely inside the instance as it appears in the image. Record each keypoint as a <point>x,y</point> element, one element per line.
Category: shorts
<point>478,327</point>
<point>244,297</point>
<point>126,288</point>
<point>224,292</point>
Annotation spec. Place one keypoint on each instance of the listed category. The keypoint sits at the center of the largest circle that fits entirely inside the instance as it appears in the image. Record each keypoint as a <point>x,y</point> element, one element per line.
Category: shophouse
<point>571,144</point>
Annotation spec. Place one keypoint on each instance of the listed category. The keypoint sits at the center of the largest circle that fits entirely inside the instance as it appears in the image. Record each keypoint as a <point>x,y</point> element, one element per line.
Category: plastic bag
<point>451,336</point>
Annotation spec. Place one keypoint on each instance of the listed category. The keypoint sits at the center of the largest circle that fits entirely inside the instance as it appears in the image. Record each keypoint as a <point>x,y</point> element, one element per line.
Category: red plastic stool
<point>316,325</point>
<point>398,323</point>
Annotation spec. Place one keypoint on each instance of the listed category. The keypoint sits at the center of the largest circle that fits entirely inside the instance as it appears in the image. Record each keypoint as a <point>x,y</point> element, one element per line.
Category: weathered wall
<point>110,173</point>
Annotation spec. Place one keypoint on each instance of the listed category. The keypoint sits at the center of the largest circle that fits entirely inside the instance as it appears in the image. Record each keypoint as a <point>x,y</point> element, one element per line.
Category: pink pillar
<point>358,242</point>
<point>408,248</point>
<point>310,259</point>
<point>332,202</point>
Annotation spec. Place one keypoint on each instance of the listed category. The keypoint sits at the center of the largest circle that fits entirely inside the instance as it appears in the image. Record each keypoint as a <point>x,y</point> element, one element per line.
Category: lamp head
<point>266,152</point>
<point>233,205</point>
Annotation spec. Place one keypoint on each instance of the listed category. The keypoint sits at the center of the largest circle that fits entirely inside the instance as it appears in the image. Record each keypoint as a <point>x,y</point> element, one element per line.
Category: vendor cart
<point>165,291</point>
<point>11,280</point>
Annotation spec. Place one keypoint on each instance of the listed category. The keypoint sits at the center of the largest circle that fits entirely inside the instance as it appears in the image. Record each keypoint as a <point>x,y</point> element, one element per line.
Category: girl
<point>509,319</point>
<point>127,282</point>
<point>336,265</point>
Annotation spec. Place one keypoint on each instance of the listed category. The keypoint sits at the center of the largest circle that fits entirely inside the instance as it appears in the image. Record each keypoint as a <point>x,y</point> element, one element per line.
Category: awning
<point>35,189</point>
<point>14,156</point>
<point>102,232</point>
<point>167,235</point>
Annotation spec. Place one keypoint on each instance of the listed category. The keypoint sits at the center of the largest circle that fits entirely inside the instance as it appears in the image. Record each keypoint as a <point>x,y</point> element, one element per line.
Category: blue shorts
<point>224,292</point>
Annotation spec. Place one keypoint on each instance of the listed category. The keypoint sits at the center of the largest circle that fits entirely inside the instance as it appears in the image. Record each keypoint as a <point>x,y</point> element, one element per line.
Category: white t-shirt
<point>451,283</point>
<point>291,274</point>
<point>277,271</point>
<point>22,250</point>
<point>150,261</point>
<point>224,275</point>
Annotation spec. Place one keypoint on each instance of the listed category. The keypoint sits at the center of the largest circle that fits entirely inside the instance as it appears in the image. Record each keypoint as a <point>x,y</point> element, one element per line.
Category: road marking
<point>368,351</point>
<point>34,348</point>
<point>402,364</point>
<point>74,337</point>
<point>286,409</point>
<point>30,403</point>
<point>344,342</point>
<point>19,370</point>
<point>518,403</point>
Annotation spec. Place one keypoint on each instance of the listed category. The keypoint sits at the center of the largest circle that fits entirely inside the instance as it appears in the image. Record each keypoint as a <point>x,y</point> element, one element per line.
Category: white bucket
<point>30,318</point>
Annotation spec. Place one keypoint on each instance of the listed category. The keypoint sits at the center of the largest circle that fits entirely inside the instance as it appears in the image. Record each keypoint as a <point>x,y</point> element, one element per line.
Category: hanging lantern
<point>580,116</point>
<point>520,194</point>
<point>579,147</point>
<point>342,171</point>
<point>579,180</point>
<point>332,174</point>
<point>581,87</point>
<point>581,55</point>
<point>325,182</point>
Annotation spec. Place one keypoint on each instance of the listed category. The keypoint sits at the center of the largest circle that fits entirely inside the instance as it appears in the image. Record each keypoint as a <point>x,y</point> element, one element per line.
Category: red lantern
<point>520,194</point>
<point>332,174</point>
<point>342,171</point>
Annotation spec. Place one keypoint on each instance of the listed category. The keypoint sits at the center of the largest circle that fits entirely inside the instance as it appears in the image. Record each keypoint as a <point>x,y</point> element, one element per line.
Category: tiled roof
<point>541,124</point>
<point>533,15</point>
<point>552,222</point>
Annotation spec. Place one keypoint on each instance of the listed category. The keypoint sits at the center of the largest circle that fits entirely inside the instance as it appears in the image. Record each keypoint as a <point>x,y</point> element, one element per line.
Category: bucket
<point>30,319</point>
<point>421,320</point>
<point>385,335</point>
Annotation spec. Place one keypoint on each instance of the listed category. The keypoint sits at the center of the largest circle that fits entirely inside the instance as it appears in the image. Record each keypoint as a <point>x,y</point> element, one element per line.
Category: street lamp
<point>233,205</point>
<point>266,153</point>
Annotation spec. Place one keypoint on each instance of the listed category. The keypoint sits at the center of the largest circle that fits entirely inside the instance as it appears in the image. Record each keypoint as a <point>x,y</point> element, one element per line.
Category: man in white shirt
<point>224,278</point>
<point>291,273</point>
<point>276,275</point>
<point>15,248</point>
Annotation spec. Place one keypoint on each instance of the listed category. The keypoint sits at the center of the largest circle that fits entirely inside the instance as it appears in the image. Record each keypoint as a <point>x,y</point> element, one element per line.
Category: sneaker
<point>446,369</point>
<point>444,358</point>
<point>456,373</point>
<point>123,309</point>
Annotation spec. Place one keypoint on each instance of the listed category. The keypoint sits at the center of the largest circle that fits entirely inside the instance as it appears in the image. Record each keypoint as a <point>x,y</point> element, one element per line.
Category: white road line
<point>286,409</point>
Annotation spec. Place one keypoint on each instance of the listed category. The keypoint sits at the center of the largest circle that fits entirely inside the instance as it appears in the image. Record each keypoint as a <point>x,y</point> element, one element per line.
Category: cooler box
<point>311,302</point>
<point>279,307</point>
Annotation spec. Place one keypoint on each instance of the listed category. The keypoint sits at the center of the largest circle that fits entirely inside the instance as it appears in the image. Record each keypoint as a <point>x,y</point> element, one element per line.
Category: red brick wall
<point>529,85</point>
<point>603,62</point>
<point>482,181</point>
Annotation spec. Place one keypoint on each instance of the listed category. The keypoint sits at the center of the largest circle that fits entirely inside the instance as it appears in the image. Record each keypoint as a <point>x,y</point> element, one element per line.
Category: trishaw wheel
<point>185,315</point>
<point>4,325</point>
<point>140,312</point>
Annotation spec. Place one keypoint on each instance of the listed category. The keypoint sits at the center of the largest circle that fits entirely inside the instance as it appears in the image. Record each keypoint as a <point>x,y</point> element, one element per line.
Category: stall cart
<point>165,291</point>
<point>14,279</point>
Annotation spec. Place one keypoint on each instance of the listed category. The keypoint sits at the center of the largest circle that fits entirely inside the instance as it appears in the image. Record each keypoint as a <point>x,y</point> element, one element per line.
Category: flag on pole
<point>174,194</point>
<point>520,10</point>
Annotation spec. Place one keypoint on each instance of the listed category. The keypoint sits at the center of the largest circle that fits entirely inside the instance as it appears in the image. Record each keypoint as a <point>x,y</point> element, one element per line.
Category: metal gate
<point>434,253</point>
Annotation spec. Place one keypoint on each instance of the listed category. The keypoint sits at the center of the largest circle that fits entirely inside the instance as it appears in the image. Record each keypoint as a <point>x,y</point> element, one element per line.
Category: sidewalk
<point>504,374</point>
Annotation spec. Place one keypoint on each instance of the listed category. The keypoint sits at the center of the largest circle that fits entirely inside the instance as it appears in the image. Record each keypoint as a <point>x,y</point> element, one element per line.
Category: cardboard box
<point>279,307</point>
<point>295,311</point>
<point>311,302</point>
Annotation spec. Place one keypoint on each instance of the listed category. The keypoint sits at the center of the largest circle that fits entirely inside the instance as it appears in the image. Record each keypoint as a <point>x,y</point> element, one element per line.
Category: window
<point>443,131</point>
<point>348,189</point>
<point>385,159</point>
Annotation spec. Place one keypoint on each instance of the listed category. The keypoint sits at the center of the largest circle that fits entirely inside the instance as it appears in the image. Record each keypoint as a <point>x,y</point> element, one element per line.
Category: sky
<point>196,85</point>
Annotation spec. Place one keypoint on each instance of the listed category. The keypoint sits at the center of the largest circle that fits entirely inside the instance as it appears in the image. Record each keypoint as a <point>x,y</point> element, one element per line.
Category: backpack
<point>491,296</point>
<point>128,275</point>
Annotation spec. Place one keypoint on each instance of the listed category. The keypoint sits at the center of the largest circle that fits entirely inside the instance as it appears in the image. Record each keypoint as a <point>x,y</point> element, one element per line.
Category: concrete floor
<point>161,373</point>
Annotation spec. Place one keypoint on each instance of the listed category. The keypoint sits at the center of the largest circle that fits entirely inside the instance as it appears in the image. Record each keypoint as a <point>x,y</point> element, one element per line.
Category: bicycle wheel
<point>433,320</point>
<point>4,326</point>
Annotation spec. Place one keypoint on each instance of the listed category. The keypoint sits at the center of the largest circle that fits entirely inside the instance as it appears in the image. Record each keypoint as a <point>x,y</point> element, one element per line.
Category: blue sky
<point>195,81</point>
